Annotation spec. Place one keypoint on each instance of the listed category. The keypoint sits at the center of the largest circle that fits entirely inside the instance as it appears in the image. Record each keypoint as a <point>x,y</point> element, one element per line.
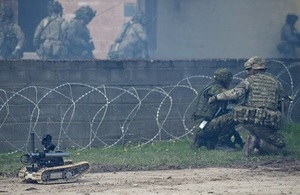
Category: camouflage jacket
<point>49,28</point>
<point>260,90</point>
<point>49,38</point>
<point>11,39</point>
<point>134,43</point>
<point>289,34</point>
<point>80,45</point>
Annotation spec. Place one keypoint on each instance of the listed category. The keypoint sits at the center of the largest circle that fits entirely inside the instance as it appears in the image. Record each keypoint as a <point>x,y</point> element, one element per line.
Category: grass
<point>292,137</point>
<point>167,154</point>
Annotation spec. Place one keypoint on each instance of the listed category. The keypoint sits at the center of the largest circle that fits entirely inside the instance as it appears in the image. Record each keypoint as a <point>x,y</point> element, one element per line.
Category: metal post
<point>32,142</point>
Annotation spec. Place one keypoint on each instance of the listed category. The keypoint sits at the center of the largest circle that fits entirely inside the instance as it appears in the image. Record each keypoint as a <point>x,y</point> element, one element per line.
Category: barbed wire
<point>108,103</point>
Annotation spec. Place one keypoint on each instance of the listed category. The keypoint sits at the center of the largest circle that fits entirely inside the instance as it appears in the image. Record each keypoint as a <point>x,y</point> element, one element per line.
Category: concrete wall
<point>194,29</point>
<point>104,103</point>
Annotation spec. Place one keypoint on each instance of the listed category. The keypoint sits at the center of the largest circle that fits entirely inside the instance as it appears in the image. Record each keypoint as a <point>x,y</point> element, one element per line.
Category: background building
<point>111,14</point>
<point>193,29</point>
<point>178,29</point>
<point>109,19</point>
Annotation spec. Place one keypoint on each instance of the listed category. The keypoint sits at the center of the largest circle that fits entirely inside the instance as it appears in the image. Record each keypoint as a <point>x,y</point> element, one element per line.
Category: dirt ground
<point>269,179</point>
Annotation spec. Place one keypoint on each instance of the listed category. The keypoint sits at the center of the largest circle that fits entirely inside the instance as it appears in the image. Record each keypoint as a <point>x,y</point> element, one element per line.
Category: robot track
<point>55,175</point>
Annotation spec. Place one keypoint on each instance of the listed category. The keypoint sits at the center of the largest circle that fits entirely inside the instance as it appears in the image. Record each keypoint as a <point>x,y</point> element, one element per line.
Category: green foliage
<point>168,154</point>
<point>292,137</point>
<point>10,163</point>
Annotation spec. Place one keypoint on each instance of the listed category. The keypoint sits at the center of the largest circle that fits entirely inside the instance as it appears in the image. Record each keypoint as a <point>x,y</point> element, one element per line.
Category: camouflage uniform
<point>290,38</point>
<point>132,43</point>
<point>259,112</point>
<point>80,44</point>
<point>11,36</point>
<point>49,36</point>
<point>219,122</point>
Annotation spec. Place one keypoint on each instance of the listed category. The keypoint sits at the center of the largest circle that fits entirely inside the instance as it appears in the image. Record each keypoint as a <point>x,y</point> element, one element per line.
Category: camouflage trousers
<point>263,139</point>
<point>218,128</point>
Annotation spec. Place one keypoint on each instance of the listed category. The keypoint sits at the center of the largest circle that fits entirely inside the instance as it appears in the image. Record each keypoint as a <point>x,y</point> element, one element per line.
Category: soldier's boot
<point>267,148</point>
<point>198,142</point>
<point>251,146</point>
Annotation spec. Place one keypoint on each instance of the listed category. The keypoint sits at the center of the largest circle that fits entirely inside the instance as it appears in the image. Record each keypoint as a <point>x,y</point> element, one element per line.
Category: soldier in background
<point>259,111</point>
<point>214,123</point>
<point>80,44</point>
<point>11,36</point>
<point>290,37</point>
<point>132,41</point>
<point>49,37</point>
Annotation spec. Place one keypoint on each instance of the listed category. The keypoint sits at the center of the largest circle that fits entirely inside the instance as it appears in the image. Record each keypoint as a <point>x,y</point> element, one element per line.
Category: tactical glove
<point>212,99</point>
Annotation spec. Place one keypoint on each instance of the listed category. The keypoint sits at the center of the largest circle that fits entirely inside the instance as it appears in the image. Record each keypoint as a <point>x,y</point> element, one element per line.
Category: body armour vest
<point>263,92</point>
<point>52,29</point>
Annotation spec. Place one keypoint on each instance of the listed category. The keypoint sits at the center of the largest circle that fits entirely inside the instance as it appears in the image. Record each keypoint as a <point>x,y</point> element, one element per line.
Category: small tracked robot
<point>48,166</point>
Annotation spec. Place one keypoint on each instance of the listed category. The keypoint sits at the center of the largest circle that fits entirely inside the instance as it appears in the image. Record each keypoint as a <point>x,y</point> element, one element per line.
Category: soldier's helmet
<point>223,75</point>
<point>85,13</point>
<point>140,17</point>
<point>255,63</point>
<point>291,18</point>
<point>55,7</point>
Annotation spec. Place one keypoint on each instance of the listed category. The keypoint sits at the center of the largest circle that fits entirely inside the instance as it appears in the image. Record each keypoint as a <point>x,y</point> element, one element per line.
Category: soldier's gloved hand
<point>212,99</point>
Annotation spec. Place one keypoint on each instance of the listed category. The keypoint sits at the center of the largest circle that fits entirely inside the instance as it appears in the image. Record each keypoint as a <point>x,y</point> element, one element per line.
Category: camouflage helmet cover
<point>86,13</point>
<point>255,63</point>
<point>223,75</point>
<point>140,17</point>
